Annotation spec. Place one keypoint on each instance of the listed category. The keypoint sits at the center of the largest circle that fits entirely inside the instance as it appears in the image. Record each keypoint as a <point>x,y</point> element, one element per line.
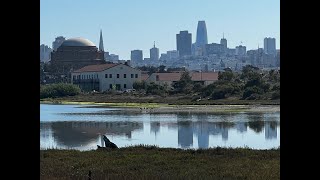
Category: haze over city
<point>129,25</point>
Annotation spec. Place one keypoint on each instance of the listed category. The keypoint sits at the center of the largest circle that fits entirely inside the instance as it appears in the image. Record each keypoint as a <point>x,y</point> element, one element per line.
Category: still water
<point>81,127</point>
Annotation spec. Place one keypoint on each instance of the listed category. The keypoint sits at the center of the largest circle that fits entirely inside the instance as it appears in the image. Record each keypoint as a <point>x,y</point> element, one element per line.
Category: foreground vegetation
<point>149,162</point>
<point>58,90</point>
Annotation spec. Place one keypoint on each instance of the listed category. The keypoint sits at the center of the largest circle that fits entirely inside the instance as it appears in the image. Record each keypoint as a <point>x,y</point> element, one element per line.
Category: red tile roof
<point>204,76</point>
<point>95,68</point>
<point>195,76</point>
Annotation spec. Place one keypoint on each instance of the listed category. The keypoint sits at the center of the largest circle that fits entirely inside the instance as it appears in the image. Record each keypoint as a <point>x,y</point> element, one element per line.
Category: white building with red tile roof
<point>106,77</point>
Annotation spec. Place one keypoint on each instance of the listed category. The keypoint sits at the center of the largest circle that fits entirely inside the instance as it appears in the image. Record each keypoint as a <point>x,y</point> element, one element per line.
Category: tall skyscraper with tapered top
<point>101,48</point>
<point>202,38</point>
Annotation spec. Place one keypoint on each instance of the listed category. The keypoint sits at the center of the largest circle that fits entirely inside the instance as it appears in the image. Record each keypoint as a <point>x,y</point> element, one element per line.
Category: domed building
<point>75,53</point>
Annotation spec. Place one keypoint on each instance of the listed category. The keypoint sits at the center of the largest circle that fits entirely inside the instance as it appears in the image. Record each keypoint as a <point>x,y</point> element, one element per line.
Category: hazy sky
<point>134,24</point>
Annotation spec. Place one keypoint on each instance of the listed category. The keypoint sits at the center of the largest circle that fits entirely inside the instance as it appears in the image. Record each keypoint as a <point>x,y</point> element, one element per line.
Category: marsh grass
<point>152,162</point>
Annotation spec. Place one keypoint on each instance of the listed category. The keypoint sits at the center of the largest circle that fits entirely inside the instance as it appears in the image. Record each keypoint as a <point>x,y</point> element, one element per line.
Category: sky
<point>135,24</point>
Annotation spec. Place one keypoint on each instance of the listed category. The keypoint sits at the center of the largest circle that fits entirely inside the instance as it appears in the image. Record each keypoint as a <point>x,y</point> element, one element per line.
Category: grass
<point>150,162</point>
<point>135,100</point>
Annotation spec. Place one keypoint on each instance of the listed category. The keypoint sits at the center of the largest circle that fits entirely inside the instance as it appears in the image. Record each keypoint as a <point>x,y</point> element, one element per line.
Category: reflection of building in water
<point>74,134</point>
<point>241,127</point>
<point>224,133</point>
<point>202,131</point>
<point>123,128</point>
<point>270,130</point>
<point>45,130</point>
<point>155,127</point>
<point>185,134</point>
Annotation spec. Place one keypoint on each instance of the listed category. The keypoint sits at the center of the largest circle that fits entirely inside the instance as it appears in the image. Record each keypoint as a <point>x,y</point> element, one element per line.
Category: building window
<point>74,77</point>
<point>136,75</point>
<point>124,86</point>
<point>110,86</point>
<point>106,75</point>
<point>131,75</point>
<point>118,75</point>
<point>124,75</point>
<point>110,75</point>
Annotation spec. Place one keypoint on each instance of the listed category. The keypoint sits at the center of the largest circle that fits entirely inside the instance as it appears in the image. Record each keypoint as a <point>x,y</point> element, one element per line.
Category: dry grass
<point>150,162</point>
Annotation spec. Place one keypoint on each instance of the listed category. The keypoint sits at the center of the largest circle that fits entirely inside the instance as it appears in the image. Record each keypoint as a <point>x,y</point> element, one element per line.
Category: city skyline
<point>249,22</point>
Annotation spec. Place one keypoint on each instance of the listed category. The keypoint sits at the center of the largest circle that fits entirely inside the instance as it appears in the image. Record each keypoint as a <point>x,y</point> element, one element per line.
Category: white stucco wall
<point>121,70</point>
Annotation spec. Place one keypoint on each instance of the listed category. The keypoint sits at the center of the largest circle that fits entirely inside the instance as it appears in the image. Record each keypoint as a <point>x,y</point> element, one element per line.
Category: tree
<point>185,84</point>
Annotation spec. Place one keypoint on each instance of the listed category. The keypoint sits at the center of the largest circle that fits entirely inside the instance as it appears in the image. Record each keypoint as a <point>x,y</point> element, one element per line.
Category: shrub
<point>58,90</point>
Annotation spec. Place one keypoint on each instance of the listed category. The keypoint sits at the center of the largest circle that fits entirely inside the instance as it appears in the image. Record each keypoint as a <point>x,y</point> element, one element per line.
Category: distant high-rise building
<point>154,53</point>
<point>224,43</point>
<point>172,55</point>
<point>163,57</point>
<point>202,38</point>
<point>57,42</point>
<point>45,53</point>
<point>270,46</point>
<point>101,48</point>
<point>136,56</point>
<point>213,48</point>
<point>241,50</point>
<point>184,40</point>
<point>113,57</point>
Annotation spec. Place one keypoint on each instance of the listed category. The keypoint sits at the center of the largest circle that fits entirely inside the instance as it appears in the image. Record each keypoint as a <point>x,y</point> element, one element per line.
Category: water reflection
<point>165,130</point>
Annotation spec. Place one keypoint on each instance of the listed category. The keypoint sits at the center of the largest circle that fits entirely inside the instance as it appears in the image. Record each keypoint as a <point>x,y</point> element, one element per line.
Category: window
<point>124,75</point>
<point>74,76</point>
<point>131,75</point>
<point>124,86</point>
<point>110,75</point>
<point>157,77</point>
<point>118,75</point>
<point>106,75</point>
<point>110,86</point>
<point>136,75</point>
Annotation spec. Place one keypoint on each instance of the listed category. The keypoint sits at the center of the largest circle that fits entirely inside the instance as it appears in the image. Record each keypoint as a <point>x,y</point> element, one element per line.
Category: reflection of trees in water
<point>256,122</point>
<point>271,130</point>
<point>155,127</point>
<point>81,133</point>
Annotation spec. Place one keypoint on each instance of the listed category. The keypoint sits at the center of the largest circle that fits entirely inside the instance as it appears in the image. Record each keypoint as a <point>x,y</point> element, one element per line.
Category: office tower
<point>213,48</point>
<point>224,43</point>
<point>241,50</point>
<point>57,43</point>
<point>270,46</point>
<point>136,56</point>
<point>45,53</point>
<point>154,53</point>
<point>202,38</point>
<point>101,48</point>
<point>184,40</point>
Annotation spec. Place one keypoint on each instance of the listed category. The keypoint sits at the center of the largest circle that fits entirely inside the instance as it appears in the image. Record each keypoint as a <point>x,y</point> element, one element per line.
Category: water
<point>81,127</point>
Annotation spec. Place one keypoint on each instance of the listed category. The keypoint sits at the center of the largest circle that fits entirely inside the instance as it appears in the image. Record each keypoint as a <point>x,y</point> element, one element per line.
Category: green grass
<point>150,162</point>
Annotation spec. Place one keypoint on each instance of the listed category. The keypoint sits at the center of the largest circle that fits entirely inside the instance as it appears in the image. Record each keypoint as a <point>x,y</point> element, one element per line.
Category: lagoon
<point>81,127</point>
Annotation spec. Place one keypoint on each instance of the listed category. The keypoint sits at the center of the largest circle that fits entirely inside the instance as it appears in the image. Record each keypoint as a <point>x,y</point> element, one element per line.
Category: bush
<point>58,90</point>
<point>250,91</point>
<point>276,95</point>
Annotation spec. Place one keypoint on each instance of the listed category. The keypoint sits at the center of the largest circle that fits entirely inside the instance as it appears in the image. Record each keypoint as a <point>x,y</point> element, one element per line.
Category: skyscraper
<point>101,48</point>
<point>202,38</point>
<point>45,53</point>
<point>57,42</point>
<point>154,53</point>
<point>184,40</point>
<point>270,46</point>
<point>224,43</point>
<point>136,56</point>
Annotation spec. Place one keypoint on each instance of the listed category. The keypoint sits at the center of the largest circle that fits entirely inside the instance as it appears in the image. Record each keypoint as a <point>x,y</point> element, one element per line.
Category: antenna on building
<point>154,44</point>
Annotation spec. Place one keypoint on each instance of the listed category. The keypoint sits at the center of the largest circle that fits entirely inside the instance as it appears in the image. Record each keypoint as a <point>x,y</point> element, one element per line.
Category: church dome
<point>77,42</point>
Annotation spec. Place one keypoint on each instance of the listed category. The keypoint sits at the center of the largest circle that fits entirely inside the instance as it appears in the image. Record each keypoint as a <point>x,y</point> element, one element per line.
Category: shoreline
<point>161,108</point>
